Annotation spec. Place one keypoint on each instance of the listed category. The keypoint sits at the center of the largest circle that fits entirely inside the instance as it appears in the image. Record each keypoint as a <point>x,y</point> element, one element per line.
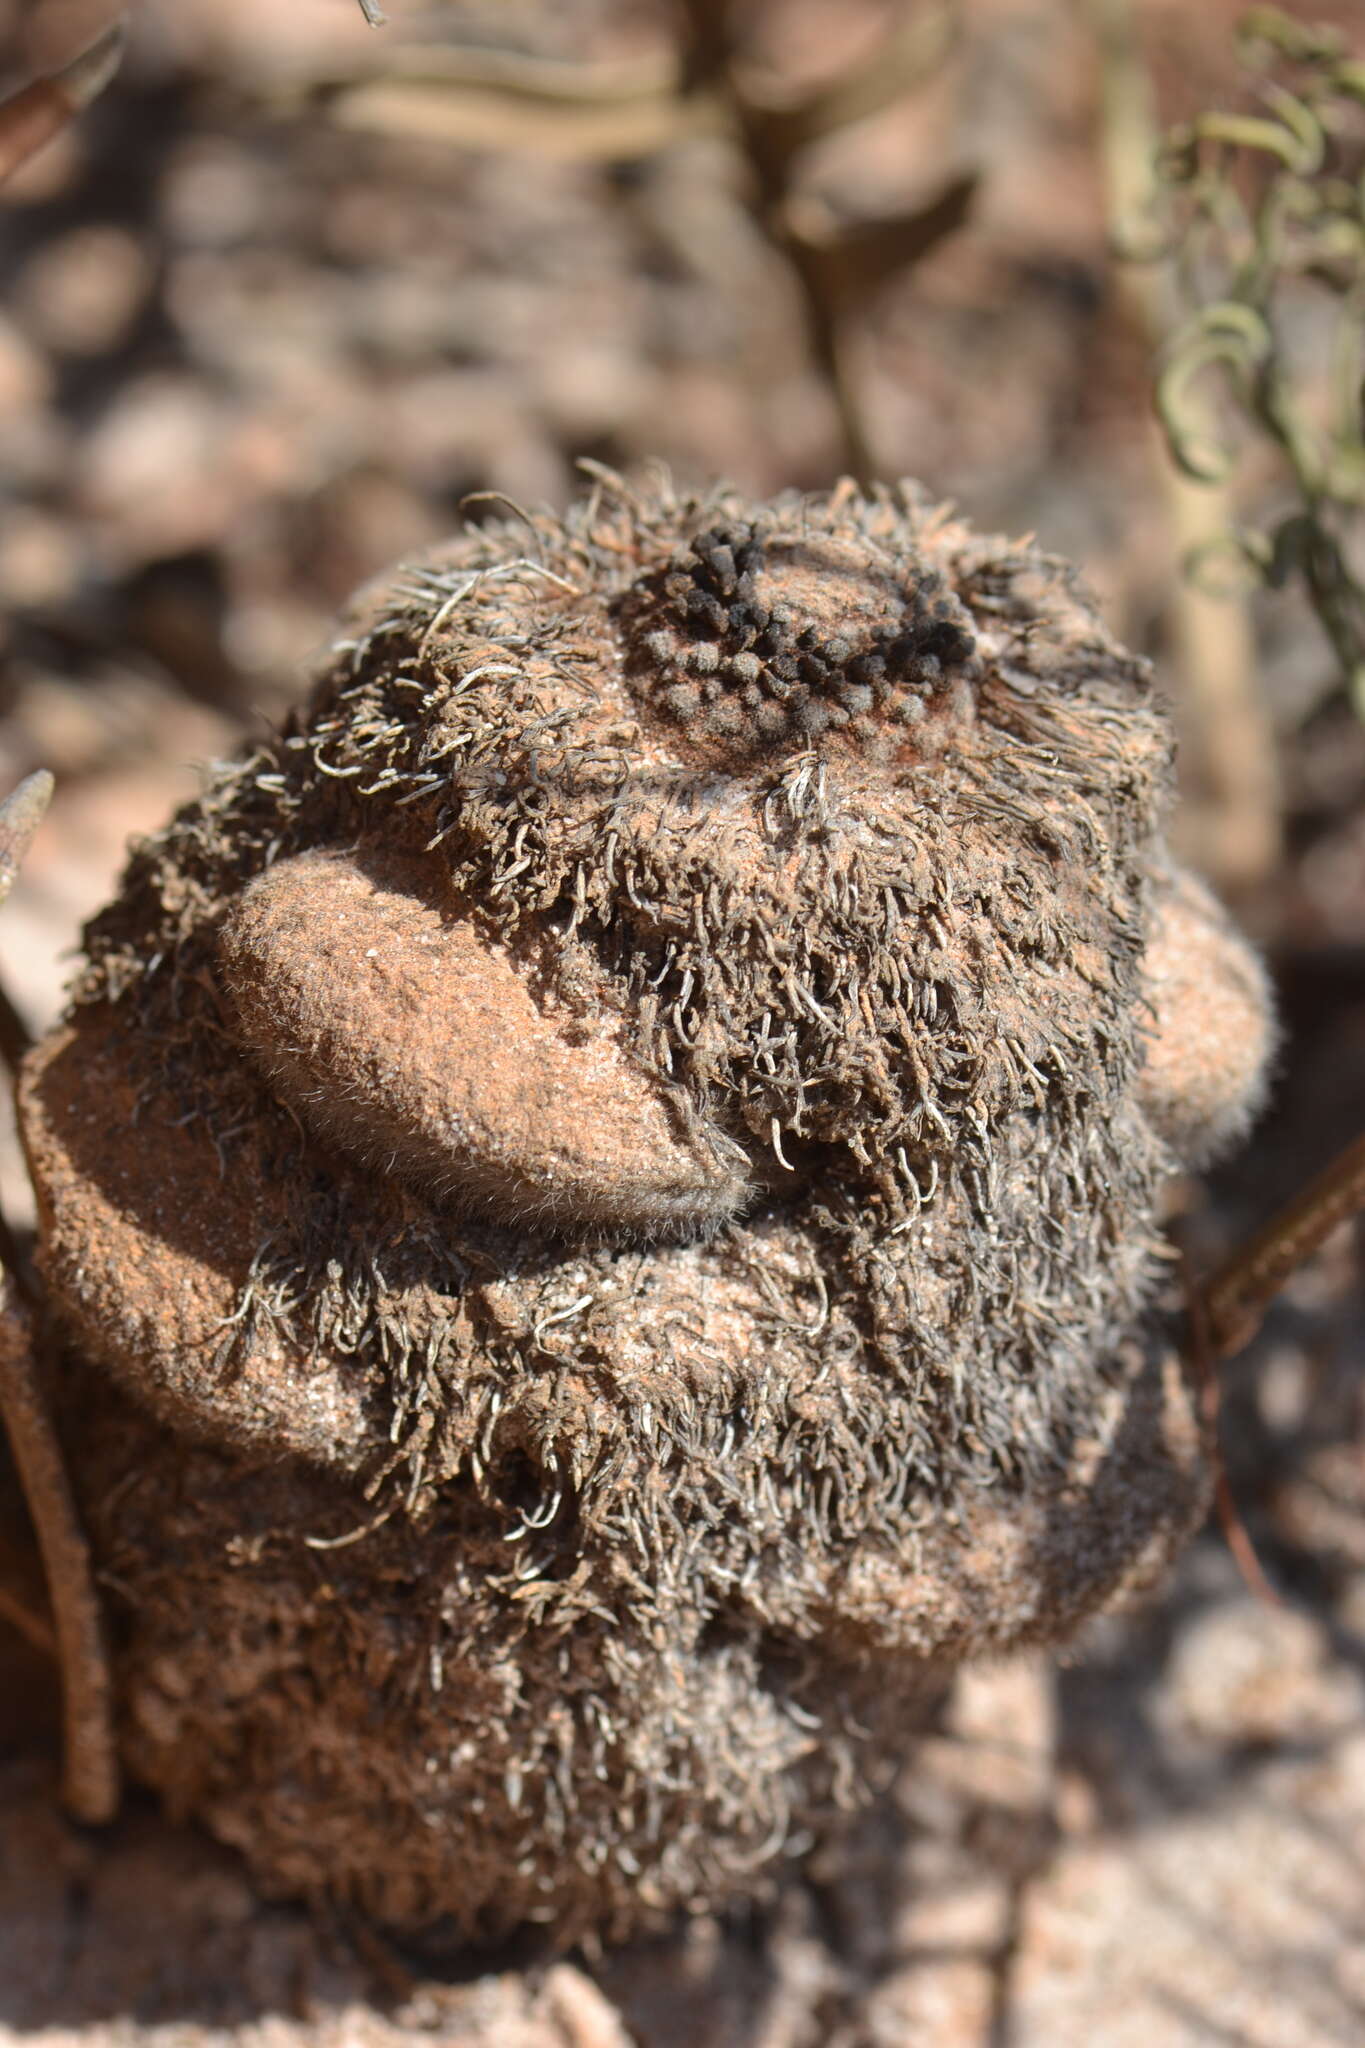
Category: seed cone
<point>601,1189</point>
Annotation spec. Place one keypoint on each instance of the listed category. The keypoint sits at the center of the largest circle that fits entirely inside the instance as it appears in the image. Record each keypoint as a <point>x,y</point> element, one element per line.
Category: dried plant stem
<point>42,109</point>
<point>30,1626</point>
<point>484,98</point>
<point>487,100</point>
<point>709,65</point>
<point>1203,1356</point>
<point>91,1777</point>
<point>829,350</point>
<point>1215,650</point>
<point>1227,1311</point>
<point>1235,1299</point>
<point>1216,655</point>
<point>91,1784</point>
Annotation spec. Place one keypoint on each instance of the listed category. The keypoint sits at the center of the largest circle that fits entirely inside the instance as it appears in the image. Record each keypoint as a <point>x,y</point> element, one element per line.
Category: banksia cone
<point>600,1195</point>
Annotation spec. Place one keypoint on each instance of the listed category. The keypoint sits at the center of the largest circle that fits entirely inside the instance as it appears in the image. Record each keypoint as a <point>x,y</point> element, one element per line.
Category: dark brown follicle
<point>601,1190</point>
<point>756,641</point>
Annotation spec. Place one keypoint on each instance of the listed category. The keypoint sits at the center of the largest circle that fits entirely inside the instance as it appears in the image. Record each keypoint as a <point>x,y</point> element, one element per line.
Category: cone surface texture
<point>600,1194</point>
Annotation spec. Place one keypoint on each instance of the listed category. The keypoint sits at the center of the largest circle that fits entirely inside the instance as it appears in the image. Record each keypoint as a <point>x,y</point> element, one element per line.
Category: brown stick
<point>708,60</point>
<point>91,1779</point>
<point>29,1625</point>
<point>91,1776</point>
<point>29,120</point>
<point>41,110</point>
<point>1204,1360</point>
<point>1227,1311</point>
<point>1235,1299</point>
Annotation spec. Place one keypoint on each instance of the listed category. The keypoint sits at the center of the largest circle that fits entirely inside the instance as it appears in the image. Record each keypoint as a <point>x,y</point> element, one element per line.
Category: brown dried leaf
<point>852,260</point>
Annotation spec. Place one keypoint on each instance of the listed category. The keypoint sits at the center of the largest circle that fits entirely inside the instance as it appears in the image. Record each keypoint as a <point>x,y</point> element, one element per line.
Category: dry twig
<point>1236,1298</point>
<point>91,1766</point>
<point>30,1626</point>
<point>41,109</point>
<point>91,1777</point>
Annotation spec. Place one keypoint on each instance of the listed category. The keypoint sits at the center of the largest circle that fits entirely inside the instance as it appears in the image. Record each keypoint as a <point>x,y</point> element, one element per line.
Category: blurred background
<point>293,289</point>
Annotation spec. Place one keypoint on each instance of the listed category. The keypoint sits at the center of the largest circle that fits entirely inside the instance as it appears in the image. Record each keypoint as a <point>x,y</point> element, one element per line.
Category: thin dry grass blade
<point>489,101</point>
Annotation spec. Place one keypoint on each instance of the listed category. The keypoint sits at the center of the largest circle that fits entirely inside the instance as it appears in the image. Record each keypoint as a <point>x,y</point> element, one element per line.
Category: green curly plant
<point>1265,215</point>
